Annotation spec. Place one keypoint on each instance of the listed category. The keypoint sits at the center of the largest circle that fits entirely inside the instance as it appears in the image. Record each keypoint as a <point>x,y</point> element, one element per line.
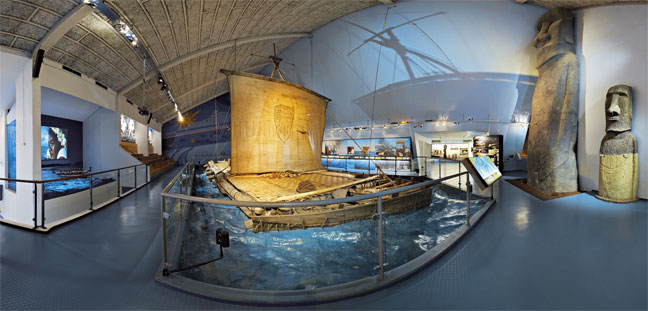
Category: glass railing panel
<point>410,234</point>
<point>276,256</point>
<point>104,187</point>
<point>174,228</point>
<point>127,179</point>
<point>295,252</point>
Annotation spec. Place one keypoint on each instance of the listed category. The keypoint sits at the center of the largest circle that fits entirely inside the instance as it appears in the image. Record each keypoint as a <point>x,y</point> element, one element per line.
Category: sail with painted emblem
<point>277,126</point>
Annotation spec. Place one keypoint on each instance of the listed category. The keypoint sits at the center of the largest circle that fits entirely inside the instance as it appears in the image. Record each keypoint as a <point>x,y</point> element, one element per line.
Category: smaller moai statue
<point>619,160</point>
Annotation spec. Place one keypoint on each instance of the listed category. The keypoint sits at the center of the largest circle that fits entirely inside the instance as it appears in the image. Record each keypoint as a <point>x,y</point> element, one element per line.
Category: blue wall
<point>206,134</point>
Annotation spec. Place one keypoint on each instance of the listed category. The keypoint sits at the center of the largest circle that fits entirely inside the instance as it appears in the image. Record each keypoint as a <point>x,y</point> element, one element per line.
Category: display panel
<point>388,147</point>
<point>127,129</point>
<point>150,137</point>
<point>483,170</point>
<point>392,155</point>
<point>11,153</point>
<point>54,143</point>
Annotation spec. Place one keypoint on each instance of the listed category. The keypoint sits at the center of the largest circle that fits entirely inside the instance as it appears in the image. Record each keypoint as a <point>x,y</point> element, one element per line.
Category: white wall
<point>468,59</point>
<point>612,46</point>
<point>11,64</point>
<point>101,142</point>
<point>3,152</point>
<point>53,77</point>
<point>141,139</point>
<point>18,205</point>
<point>101,129</point>
<point>157,142</point>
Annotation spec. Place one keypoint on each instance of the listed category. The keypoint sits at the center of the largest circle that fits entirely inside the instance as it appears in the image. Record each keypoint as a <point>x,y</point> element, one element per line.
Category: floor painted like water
<point>313,257</point>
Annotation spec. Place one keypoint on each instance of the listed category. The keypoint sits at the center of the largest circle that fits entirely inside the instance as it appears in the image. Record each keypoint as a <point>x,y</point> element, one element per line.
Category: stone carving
<point>619,160</point>
<point>554,114</point>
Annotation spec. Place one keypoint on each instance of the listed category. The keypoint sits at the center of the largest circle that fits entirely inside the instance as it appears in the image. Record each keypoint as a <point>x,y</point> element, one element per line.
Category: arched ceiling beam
<point>204,100</point>
<point>66,23</point>
<point>206,84</point>
<point>213,48</point>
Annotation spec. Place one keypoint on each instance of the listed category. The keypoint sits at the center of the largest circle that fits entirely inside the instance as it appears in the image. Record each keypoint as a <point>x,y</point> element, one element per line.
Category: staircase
<point>157,163</point>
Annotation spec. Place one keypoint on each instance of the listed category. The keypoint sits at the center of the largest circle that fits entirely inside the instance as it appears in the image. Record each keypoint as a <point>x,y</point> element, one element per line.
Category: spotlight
<point>164,87</point>
<point>160,80</point>
<point>180,118</point>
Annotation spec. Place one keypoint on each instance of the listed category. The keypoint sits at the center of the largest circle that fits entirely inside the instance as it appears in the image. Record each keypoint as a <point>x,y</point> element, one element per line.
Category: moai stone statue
<point>619,160</point>
<point>554,112</point>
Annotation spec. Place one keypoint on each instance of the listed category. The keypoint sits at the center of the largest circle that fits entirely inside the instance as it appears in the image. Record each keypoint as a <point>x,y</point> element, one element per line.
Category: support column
<point>28,161</point>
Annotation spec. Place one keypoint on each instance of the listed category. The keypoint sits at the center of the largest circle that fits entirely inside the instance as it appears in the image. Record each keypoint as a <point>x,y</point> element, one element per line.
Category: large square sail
<point>277,126</point>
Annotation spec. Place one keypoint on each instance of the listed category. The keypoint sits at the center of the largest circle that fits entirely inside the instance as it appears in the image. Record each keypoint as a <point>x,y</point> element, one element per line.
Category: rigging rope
<point>373,104</point>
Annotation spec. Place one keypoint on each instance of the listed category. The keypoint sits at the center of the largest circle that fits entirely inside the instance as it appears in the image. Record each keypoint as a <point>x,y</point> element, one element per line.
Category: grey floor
<point>570,253</point>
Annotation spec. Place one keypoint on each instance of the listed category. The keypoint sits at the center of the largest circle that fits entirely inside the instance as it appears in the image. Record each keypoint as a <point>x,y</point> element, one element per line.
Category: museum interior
<point>323,154</point>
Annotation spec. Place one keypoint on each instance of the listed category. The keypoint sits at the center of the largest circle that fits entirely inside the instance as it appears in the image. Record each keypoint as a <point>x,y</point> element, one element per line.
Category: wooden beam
<point>206,84</point>
<point>76,15</point>
<point>212,48</point>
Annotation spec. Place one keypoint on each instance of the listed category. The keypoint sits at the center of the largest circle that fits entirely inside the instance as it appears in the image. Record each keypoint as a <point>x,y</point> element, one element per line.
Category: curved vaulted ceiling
<point>189,40</point>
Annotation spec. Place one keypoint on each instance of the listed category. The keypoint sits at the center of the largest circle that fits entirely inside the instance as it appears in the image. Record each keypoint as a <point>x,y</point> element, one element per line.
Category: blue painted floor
<point>570,253</point>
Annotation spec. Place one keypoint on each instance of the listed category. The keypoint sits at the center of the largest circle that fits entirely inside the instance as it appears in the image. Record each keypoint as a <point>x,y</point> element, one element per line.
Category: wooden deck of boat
<point>267,188</point>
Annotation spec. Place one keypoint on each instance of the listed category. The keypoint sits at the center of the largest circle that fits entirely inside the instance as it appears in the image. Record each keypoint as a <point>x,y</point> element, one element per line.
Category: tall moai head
<point>618,109</point>
<point>555,34</point>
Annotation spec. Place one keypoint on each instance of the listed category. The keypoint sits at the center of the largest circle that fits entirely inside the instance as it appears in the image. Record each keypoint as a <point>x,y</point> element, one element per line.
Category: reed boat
<point>276,144</point>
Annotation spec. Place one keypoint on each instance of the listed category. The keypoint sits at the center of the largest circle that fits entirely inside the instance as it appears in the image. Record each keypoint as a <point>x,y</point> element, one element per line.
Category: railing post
<point>135,178</point>
<point>395,165</point>
<point>459,175</point>
<point>146,174</point>
<point>35,204</point>
<point>346,168</point>
<point>164,233</point>
<point>119,183</point>
<point>43,205</point>
<point>90,192</point>
<point>381,268</point>
<point>439,168</point>
<point>425,166</point>
<point>468,194</point>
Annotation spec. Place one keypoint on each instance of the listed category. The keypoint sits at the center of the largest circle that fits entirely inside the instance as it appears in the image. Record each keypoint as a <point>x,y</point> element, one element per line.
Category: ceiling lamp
<point>91,3</point>
<point>180,118</point>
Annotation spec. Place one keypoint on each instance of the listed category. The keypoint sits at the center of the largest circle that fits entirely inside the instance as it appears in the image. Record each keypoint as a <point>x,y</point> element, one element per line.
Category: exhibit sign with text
<point>483,170</point>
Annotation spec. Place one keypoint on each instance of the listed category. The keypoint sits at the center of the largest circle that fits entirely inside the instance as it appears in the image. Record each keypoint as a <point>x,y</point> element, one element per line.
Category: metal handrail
<point>90,188</point>
<point>302,204</point>
<point>71,177</point>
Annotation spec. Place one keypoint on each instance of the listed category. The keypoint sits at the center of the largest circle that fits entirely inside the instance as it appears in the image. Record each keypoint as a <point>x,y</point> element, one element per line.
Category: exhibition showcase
<point>359,152</point>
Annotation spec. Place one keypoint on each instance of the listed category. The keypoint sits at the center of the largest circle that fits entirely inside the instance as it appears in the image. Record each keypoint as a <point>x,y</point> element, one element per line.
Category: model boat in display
<point>276,142</point>
<point>67,172</point>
